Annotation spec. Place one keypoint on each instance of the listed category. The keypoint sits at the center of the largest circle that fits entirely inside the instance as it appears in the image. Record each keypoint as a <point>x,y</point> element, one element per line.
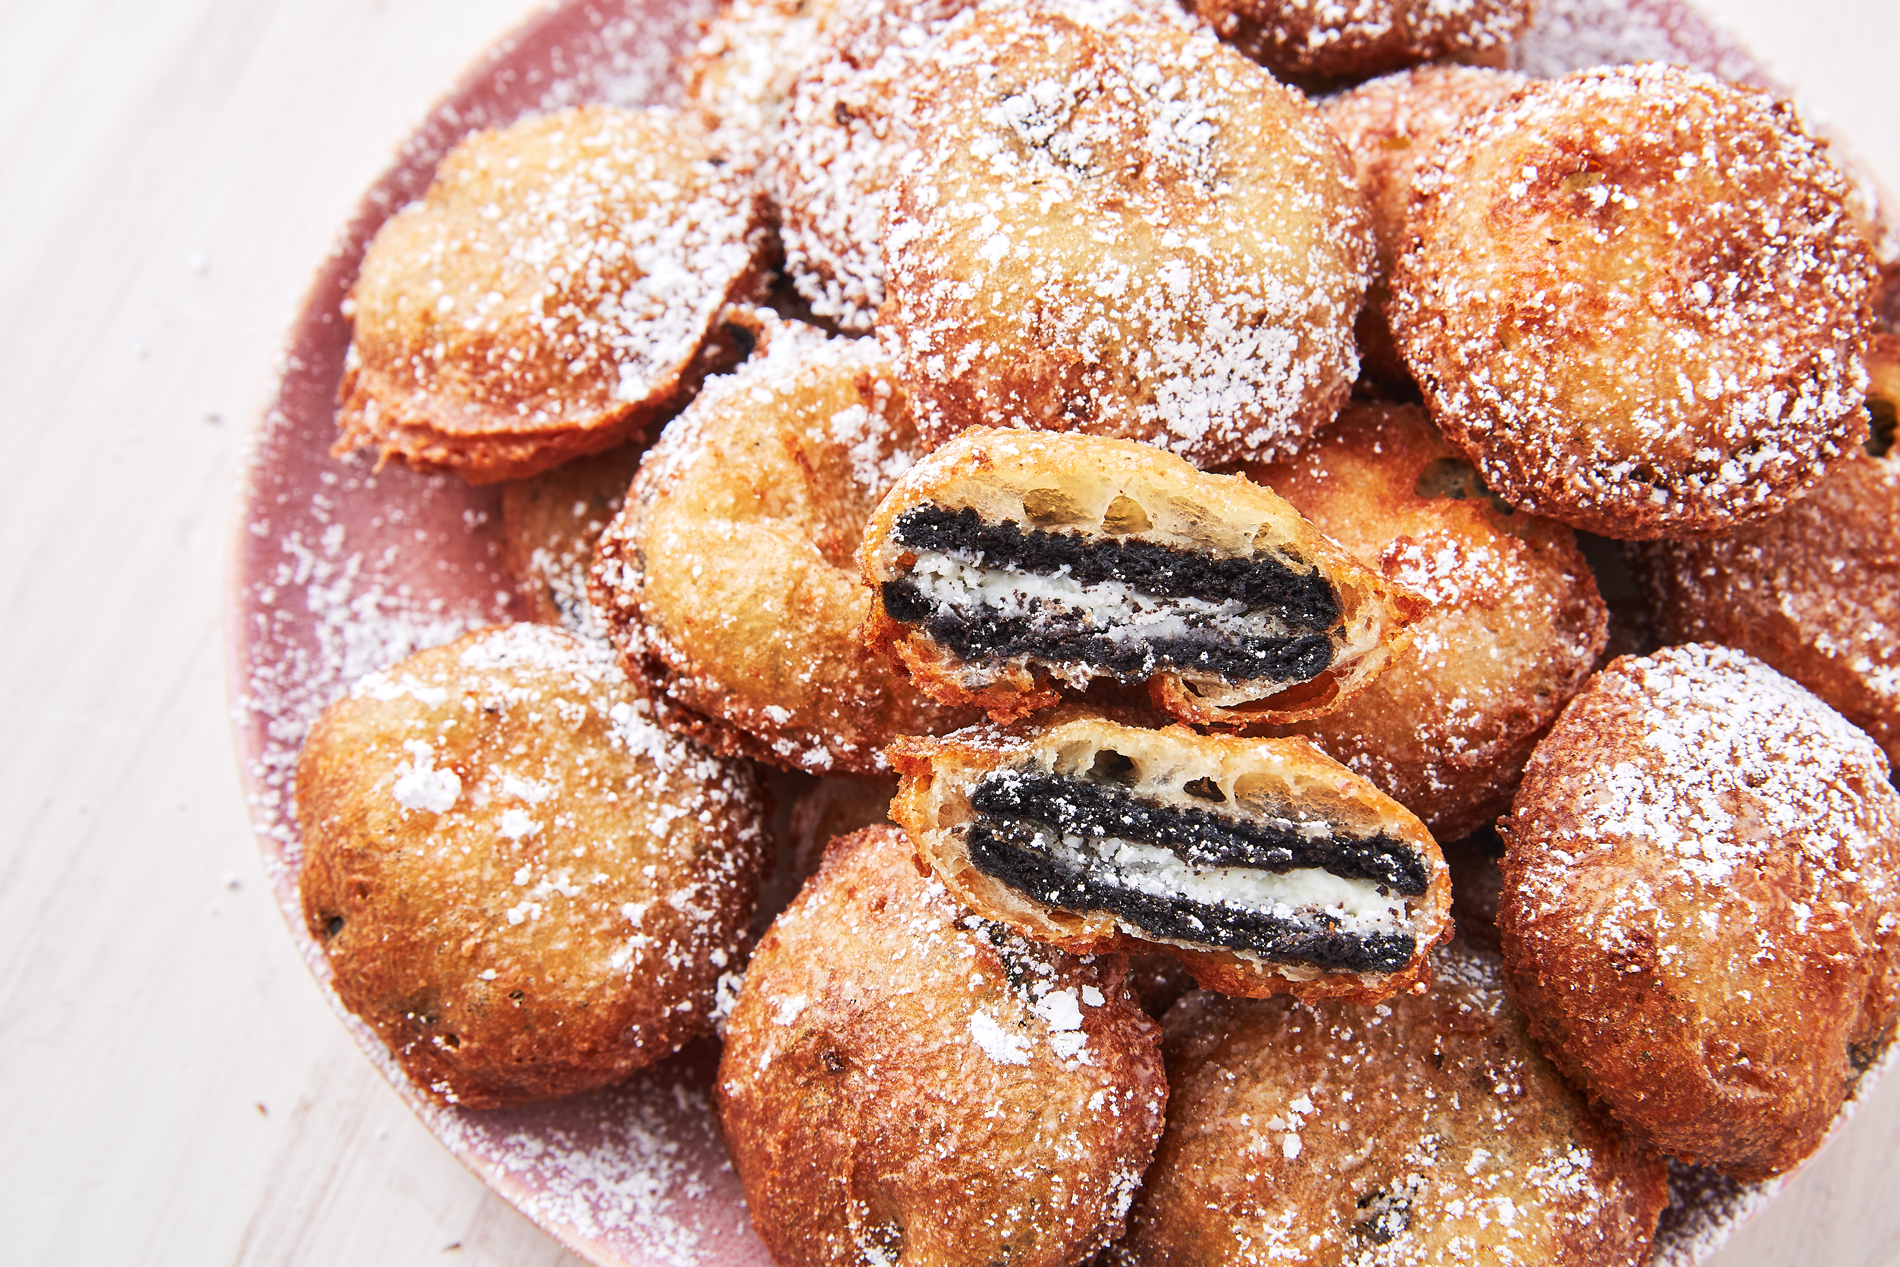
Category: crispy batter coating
<point>848,131</point>
<point>1426,1131</point>
<point>1011,568</point>
<point>902,1079</point>
<point>550,524</point>
<point>1390,125</point>
<point>1636,298</point>
<point>1324,39</point>
<point>1514,627</point>
<point>524,886</point>
<point>741,75</point>
<point>548,297</point>
<point>1701,907</point>
<point>1815,591</point>
<point>1124,228</point>
<point>1262,865</point>
<point>726,581</point>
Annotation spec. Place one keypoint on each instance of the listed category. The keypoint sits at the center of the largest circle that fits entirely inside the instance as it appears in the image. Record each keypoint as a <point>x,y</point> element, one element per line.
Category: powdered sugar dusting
<point>1739,763</point>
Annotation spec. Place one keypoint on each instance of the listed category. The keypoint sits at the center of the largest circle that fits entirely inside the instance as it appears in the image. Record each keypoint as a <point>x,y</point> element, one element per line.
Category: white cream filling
<point>1110,608</point>
<point>1302,895</point>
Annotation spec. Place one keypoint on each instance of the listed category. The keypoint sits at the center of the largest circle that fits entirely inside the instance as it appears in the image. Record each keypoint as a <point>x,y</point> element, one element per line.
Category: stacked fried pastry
<point>1178,487</point>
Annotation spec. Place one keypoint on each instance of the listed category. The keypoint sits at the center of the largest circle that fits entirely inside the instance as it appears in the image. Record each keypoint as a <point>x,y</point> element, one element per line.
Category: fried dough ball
<point>1390,126</point>
<point>726,582</point>
<point>902,1080</point>
<point>1815,592</point>
<point>741,73</point>
<point>848,129</point>
<point>1636,298</point>
<point>1323,39</point>
<point>1006,565</point>
<point>525,887</point>
<point>1428,1130</point>
<point>1514,627</point>
<point>1261,864</point>
<point>1124,229</point>
<point>1701,906</point>
<point>549,295</point>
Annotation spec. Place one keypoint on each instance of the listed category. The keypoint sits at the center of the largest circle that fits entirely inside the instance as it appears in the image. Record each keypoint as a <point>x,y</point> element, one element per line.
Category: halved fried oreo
<point>1262,864</point>
<point>1008,564</point>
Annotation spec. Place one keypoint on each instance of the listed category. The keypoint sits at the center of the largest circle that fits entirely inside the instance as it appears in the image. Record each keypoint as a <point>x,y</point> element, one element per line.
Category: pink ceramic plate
<point>342,569</point>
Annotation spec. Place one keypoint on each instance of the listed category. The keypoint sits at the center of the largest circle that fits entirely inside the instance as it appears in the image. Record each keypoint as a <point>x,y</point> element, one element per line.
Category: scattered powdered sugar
<point>1567,35</point>
<point>321,614</point>
<point>419,785</point>
<point>997,1043</point>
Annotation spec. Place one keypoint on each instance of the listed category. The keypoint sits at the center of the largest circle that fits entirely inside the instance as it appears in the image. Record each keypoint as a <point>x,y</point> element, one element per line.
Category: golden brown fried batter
<point>1390,126</point>
<point>1426,1131</point>
<point>524,886</point>
<point>1010,565</point>
<point>1261,864</point>
<point>904,1080</point>
<point>1636,298</point>
<point>741,75</point>
<point>1701,907</point>
<point>551,522</point>
<point>1124,229</point>
<point>1815,592</point>
<point>548,296</point>
<point>849,129</point>
<point>1514,627</point>
<point>726,582</point>
<point>1323,39</point>
<point>549,526</point>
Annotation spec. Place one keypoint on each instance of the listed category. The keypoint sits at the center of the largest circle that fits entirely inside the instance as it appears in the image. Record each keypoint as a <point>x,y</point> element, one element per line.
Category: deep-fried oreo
<point>1263,865</point>
<point>1008,565</point>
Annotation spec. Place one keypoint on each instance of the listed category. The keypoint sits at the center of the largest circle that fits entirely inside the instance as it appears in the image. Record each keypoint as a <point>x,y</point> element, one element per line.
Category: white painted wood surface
<point>175,1089</point>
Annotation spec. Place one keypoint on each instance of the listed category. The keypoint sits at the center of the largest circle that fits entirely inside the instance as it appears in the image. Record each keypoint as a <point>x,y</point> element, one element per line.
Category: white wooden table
<point>172,1087</point>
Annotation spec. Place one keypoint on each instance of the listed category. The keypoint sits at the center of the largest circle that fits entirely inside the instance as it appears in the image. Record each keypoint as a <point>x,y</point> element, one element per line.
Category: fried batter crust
<point>548,296</point>
<point>1390,126</point>
<point>933,805</point>
<point>550,524</point>
<point>1122,228</point>
<point>901,1078</point>
<point>1323,39</point>
<point>1701,905</point>
<point>1115,490</point>
<point>1426,1131</point>
<point>1815,592</point>
<point>726,580</point>
<point>524,886</point>
<point>1514,628</point>
<point>1636,297</point>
